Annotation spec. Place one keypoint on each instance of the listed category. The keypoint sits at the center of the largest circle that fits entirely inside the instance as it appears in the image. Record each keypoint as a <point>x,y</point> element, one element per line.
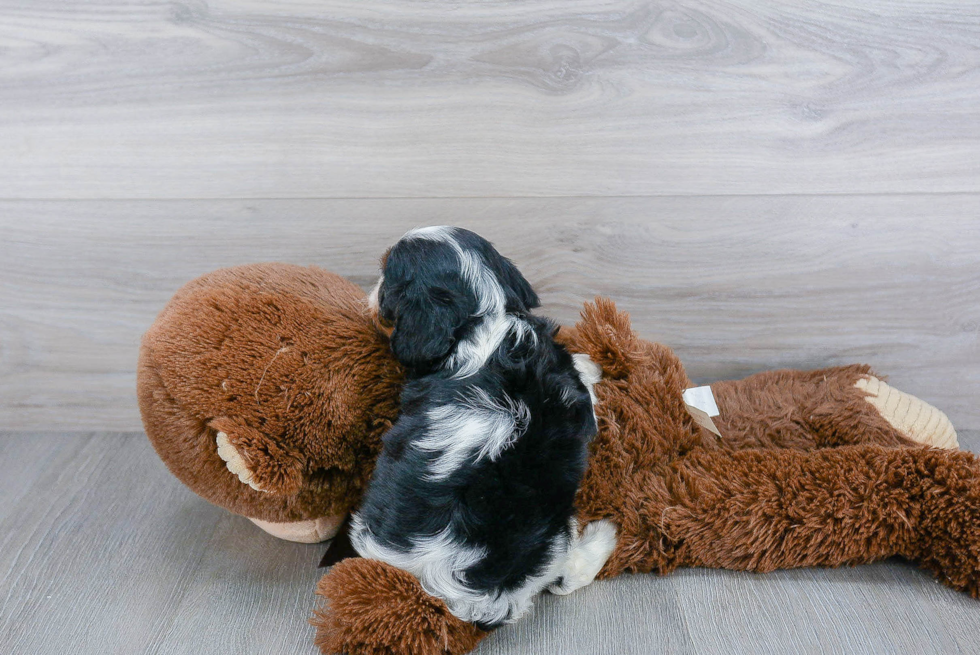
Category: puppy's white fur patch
<point>471,354</point>
<point>476,428</point>
<point>588,371</point>
<point>439,562</point>
<point>432,232</point>
<point>372,299</point>
<point>587,555</point>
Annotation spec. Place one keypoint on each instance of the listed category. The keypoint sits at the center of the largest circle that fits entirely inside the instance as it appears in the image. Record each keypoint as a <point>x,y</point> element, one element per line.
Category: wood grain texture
<point>734,284</point>
<point>108,553</point>
<point>701,162</point>
<point>105,552</point>
<point>304,98</point>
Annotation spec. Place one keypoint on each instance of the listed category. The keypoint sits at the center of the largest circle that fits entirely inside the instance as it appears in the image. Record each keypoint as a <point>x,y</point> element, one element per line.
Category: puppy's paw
<point>235,462</point>
<point>586,557</point>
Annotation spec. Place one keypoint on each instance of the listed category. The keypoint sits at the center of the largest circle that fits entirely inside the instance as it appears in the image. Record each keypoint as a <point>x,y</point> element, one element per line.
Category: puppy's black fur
<point>433,306</point>
<point>518,504</point>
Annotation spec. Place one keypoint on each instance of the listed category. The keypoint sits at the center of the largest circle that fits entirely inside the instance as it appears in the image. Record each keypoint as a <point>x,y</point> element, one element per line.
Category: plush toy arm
<point>827,407</point>
<point>761,510</point>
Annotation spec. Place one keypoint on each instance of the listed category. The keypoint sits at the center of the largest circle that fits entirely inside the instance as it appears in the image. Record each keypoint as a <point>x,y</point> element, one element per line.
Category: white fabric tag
<point>703,399</point>
<point>700,404</point>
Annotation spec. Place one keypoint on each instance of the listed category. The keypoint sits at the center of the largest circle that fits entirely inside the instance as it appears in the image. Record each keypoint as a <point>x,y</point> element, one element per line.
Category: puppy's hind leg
<point>586,556</point>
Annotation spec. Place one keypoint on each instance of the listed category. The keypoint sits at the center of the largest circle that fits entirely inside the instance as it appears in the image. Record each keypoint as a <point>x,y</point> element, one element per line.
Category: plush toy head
<point>277,373</point>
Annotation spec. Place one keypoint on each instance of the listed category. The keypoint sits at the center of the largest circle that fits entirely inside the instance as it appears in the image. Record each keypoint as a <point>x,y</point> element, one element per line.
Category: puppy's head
<point>436,284</point>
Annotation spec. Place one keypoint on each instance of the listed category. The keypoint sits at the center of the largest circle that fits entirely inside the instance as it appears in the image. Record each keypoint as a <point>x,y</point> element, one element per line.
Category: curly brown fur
<point>285,361</point>
<point>371,608</point>
<point>279,469</point>
<point>643,426</point>
<point>762,510</point>
<point>801,410</point>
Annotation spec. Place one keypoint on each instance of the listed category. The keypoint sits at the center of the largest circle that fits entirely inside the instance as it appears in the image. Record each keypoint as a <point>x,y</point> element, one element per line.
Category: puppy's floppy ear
<point>426,321</point>
<point>519,296</point>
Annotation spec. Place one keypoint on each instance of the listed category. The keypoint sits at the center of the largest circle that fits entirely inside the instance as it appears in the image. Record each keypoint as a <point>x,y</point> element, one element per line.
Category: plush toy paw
<point>588,555</point>
<point>257,461</point>
<point>372,608</point>
<point>914,418</point>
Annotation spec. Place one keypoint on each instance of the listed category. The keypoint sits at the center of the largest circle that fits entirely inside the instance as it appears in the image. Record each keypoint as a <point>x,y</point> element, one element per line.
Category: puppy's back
<point>491,463</point>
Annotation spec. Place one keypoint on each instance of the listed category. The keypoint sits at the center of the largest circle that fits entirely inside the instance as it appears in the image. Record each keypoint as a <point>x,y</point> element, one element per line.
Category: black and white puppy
<point>473,492</point>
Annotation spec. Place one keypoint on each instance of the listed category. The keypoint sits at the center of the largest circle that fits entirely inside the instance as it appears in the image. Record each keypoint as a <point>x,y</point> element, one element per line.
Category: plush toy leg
<point>823,408</point>
<point>760,510</point>
<point>372,608</point>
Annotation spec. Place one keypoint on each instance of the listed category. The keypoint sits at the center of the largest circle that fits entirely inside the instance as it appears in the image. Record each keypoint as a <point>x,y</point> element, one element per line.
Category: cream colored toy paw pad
<point>914,418</point>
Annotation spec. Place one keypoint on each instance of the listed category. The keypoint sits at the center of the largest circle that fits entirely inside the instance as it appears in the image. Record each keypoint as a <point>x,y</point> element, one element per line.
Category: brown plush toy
<point>275,373</point>
<point>278,374</point>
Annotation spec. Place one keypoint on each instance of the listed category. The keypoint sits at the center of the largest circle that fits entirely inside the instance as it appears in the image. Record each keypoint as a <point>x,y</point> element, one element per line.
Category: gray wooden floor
<point>760,184</point>
<point>104,552</point>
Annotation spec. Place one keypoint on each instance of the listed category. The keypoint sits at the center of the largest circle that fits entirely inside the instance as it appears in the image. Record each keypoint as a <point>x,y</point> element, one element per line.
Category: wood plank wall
<point>759,184</point>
